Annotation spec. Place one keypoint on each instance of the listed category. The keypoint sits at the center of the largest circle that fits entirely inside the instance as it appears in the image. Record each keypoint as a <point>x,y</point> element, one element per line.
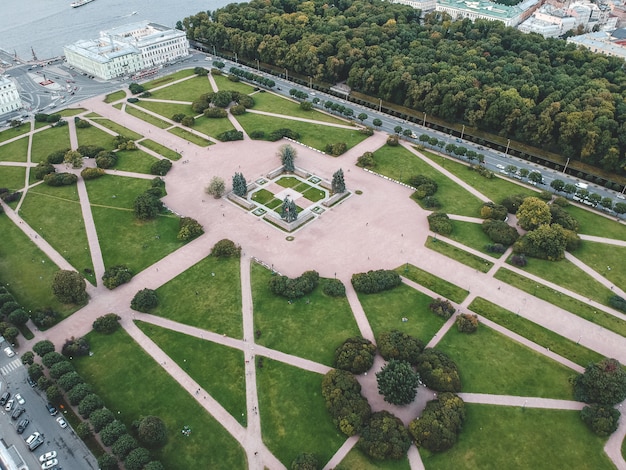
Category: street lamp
<point>462,131</point>
<point>508,143</point>
<point>214,50</point>
<point>286,75</point>
<point>380,104</point>
<point>236,60</point>
<point>565,167</point>
<point>258,67</point>
<point>310,82</point>
<point>424,123</point>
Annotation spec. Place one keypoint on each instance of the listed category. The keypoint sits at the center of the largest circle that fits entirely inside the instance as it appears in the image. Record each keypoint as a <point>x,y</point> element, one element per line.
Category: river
<point>48,25</point>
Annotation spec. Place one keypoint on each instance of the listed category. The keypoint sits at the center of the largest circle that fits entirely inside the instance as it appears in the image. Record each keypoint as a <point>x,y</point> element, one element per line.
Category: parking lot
<point>71,452</point>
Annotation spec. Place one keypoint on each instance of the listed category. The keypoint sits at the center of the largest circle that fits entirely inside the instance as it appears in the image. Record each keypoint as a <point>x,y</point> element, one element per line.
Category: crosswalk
<point>11,366</point>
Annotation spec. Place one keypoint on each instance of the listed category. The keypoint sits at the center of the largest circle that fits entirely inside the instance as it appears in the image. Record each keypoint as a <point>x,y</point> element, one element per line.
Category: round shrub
<point>398,345</point>
<point>112,431</point>
<point>438,371</point>
<point>161,167</point>
<point>601,419</point>
<point>107,324</point>
<point>144,300</point>
<point>225,249</point>
<point>355,355</point>
<point>385,437</point>
<point>397,382</point>
<point>467,323</point>
<point>439,222</point>
<point>116,275</point>
<point>441,421</point>
<point>334,288</point>
<point>152,432</point>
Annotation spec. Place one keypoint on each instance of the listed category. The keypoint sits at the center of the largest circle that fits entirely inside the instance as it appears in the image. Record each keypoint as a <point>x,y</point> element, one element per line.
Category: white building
<point>484,9</point>
<point>9,97</point>
<point>602,42</point>
<point>423,5</point>
<point>127,49</point>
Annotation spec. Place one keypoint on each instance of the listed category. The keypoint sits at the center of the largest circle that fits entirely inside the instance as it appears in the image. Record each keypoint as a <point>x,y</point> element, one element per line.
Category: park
<point>239,319</point>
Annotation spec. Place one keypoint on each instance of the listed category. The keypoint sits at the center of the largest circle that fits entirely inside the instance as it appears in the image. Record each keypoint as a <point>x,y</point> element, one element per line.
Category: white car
<point>500,166</point>
<point>48,456</point>
<point>19,398</point>
<point>62,422</point>
<point>620,196</point>
<point>9,352</point>
<point>9,405</point>
<point>49,464</point>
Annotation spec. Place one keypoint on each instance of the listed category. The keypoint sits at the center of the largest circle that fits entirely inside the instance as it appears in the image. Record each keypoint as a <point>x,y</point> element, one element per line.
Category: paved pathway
<point>340,241</point>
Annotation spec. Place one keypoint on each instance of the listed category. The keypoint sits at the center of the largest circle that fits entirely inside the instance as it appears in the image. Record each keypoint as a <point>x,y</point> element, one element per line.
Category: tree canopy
<point>603,382</point>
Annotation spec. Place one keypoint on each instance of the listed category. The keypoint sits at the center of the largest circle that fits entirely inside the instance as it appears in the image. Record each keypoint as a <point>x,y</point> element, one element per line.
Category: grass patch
<point>212,126</point>
<point>357,460</point>
<point>311,330</point>
<point>472,235</point>
<point>94,136</point>
<point>462,256</point>
<point>196,297</point>
<point>12,177</point>
<point>271,103</point>
<point>436,284</point>
<point>400,164</point>
<point>293,414</point>
<point>314,194</point>
<point>55,212</point>
<point>48,141</point>
<point>288,182</point>
<point>313,135</point>
<point>119,105</point>
<point>220,370</point>
<point>189,136</point>
<point>189,90</point>
<point>149,118</point>
<point>563,301</point>
<point>496,189</point>
<point>121,130</point>
<point>13,132</point>
<point>516,437</point>
<point>486,359</point>
<point>69,112</point>
<point>16,151</point>
<point>157,82</point>
<point>26,271</point>
<point>274,203</point>
<point>223,83</point>
<point>598,256</point>
<point>115,191</point>
<point>566,274</point>
<point>134,160</point>
<point>592,223</point>
<point>160,149</point>
<point>167,110</point>
<point>208,446</point>
<point>115,96</point>
<point>385,311</point>
<point>262,196</point>
<point>535,333</point>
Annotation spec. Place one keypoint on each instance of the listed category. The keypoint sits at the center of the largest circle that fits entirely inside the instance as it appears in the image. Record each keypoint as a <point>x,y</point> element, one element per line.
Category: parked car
<point>17,413</point>
<point>19,398</point>
<point>5,397</point>
<point>62,422</point>
<point>34,441</point>
<point>51,409</point>
<point>48,456</point>
<point>9,352</point>
<point>9,405</point>
<point>31,382</point>
<point>49,464</point>
<point>21,426</point>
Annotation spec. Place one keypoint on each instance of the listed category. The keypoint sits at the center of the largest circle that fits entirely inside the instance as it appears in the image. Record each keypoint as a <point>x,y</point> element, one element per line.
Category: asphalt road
<point>72,452</point>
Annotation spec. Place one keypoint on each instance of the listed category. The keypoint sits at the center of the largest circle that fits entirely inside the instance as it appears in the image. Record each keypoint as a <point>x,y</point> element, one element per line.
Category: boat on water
<point>80,3</point>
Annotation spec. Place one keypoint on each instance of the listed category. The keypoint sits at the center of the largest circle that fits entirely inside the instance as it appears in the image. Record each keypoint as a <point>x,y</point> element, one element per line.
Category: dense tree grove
<point>294,288</point>
<point>398,345</point>
<point>601,419</point>
<point>438,371</point>
<point>440,423</point>
<point>542,91</point>
<point>375,281</point>
<point>349,410</point>
<point>355,355</point>
<point>385,437</point>
<point>603,383</point>
<point>69,287</point>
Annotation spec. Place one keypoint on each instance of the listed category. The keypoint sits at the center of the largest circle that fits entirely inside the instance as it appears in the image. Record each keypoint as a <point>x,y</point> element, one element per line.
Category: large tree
<point>338,183</point>
<point>385,437</point>
<point>288,211</point>
<point>532,213</point>
<point>397,382</point>
<point>398,345</point>
<point>603,382</point>
<point>69,287</point>
<point>355,355</point>
<point>152,432</point>
<point>240,188</point>
<point>216,187</point>
<point>287,156</point>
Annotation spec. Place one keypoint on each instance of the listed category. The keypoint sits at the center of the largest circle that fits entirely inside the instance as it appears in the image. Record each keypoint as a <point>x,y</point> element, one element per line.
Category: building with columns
<point>9,96</point>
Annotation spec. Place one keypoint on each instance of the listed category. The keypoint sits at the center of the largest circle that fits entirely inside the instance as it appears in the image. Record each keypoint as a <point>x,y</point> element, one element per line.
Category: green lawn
<point>598,256</point>
<point>495,189</point>
<point>385,311</point>
<point>149,118</point>
<point>400,164</point>
<point>115,127</point>
<point>48,141</point>
<point>566,274</point>
<point>68,112</point>
<point>185,134</point>
<point>157,82</point>
<point>137,244</point>
<point>462,256</point>
<point>314,135</point>
<point>26,271</point>
<point>14,132</point>
<point>293,414</point>
<point>94,136</point>
<point>115,96</point>
<point>276,104</point>
<point>436,284</point>
<point>55,212</point>
<point>189,90</point>
<point>167,110</point>
<point>212,126</point>
<point>218,369</point>
<point>134,160</point>
<point>223,83</point>
<point>262,196</point>
<point>115,191</point>
<point>160,149</point>
<point>314,194</point>
<point>536,333</point>
<point>486,359</point>
<point>592,223</point>
<point>357,460</point>
<point>196,297</point>
<point>563,301</point>
<point>311,330</point>
<point>12,177</point>
<point>472,235</point>
<point>501,437</point>
<point>16,151</point>
<point>137,386</point>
